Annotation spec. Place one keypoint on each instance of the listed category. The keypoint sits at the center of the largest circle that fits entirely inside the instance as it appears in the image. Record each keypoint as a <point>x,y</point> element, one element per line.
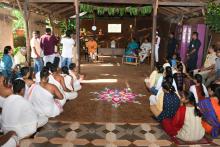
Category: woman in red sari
<point>186,124</point>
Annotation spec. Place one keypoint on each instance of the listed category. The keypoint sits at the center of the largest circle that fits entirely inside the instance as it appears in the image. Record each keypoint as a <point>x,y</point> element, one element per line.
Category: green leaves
<point>113,11</point>
<point>212,16</point>
<point>19,23</point>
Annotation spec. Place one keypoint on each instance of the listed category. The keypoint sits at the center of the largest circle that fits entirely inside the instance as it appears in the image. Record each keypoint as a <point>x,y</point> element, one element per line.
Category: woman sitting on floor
<point>156,101</point>
<point>179,78</point>
<point>155,75</point>
<point>171,102</point>
<point>186,124</point>
<point>210,109</point>
<point>198,89</point>
<point>168,73</point>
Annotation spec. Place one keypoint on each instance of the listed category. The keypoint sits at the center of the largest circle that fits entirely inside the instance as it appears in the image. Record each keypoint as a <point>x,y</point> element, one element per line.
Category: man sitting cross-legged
<point>58,80</point>
<point>46,98</point>
<point>19,115</point>
<point>5,90</point>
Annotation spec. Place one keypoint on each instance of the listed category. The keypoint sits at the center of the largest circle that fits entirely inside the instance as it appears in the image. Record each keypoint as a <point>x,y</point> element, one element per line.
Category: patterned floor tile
<point>75,134</point>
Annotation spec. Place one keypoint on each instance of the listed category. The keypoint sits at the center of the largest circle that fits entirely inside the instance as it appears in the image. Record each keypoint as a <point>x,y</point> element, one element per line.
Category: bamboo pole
<point>76,2</point>
<point>155,7</point>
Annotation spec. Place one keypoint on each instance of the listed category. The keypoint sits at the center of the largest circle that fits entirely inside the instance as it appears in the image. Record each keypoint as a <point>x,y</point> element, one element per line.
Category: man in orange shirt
<point>92,48</point>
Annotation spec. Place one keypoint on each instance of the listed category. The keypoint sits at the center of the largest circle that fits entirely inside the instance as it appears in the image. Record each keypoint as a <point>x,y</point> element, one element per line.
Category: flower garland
<point>117,97</point>
<point>112,11</point>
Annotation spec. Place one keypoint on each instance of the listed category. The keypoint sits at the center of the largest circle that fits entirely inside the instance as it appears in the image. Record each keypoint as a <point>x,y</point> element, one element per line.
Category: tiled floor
<point>67,134</point>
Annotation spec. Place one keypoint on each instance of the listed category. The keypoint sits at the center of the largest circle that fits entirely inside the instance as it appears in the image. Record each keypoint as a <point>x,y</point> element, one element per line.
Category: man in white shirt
<point>113,46</point>
<point>145,49</point>
<point>36,51</point>
<point>67,51</point>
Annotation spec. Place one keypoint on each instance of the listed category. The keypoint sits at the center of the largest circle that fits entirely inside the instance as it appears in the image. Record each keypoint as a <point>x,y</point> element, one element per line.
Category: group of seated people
<point>135,49</point>
<point>186,108</point>
<point>30,100</point>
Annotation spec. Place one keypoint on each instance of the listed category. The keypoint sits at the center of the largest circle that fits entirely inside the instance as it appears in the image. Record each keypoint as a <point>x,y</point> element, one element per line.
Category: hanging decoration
<point>112,11</point>
<point>212,16</point>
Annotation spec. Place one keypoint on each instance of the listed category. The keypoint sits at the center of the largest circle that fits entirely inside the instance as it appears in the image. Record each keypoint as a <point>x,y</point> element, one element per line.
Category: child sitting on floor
<point>77,78</point>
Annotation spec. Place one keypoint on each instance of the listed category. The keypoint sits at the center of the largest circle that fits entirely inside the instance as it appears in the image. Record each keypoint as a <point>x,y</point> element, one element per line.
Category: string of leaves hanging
<point>112,11</point>
<point>212,16</point>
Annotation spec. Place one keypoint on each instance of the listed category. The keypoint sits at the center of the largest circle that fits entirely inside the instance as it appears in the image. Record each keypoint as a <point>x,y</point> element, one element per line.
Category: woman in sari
<point>171,102</point>
<point>131,49</point>
<point>7,62</point>
<point>210,109</point>
<point>186,124</point>
<point>155,75</point>
<point>198,89</point>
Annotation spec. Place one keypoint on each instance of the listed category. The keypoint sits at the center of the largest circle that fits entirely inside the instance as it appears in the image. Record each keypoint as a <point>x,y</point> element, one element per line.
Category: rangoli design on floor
<point>117,97</point>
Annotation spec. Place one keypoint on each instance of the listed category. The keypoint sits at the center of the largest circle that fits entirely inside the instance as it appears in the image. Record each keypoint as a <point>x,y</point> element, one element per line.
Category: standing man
<point>157,46</point>
<point>67,51</point>
<point>36,51</point>
<point>48,42</point>
<point>171,47</point>
<point>192,54</point>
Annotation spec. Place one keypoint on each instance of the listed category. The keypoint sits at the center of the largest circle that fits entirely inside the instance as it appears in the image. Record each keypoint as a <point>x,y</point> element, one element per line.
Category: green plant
<point>15,50</point>
<point>112,11</point>
<point>212,16</point>
<point>19,23</point>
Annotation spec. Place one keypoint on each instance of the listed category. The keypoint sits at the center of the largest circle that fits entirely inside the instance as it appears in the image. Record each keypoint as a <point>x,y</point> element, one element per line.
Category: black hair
<point>48,64</point>
<point>25,71</point>
<point>53,68</point>
<point>168,86</point>
<point>37,32</point>
<point>7,49</point>
<point>160,68</point>
<point>69,33</point>
<point>44,73</point>
<point>72,66</point>
<point>168,79</point>
<point>48,30</point>
<point>192,100</point>
<point>180,67</point>
<point>198,78</point>
<point>172,33</point>
<point>65,70</point>
<point>168,71</point>
<point>18,85</point>
<point>196,33</point>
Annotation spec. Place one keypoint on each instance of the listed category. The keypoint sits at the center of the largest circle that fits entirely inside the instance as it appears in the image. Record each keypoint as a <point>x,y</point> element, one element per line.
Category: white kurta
<point>192,129</point>
<point>68,95</point>
<point>44,103</point>
<point>18,115</point>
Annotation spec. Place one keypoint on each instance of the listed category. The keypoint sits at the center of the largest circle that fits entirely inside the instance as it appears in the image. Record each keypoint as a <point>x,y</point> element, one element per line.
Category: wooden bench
<point>136,60</point>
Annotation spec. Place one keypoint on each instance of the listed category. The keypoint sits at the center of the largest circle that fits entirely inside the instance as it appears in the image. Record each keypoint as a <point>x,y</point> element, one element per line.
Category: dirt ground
<point>83,109</point>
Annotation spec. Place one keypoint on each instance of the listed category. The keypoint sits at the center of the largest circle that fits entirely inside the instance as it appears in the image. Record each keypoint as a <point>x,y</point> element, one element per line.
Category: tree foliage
<point>19,23</point>
<point>212,16</point>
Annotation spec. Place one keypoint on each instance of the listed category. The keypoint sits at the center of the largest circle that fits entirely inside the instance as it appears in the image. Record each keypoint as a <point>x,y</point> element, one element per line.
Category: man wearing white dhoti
<point>18,114</point>
<point>56,79</point>
<point>46,98</point>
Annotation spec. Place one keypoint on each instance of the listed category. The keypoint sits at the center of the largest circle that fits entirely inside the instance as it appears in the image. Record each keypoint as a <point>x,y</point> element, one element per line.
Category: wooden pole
<point>26,15</point>
<point>76,2</point>
<point>154,28</point>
